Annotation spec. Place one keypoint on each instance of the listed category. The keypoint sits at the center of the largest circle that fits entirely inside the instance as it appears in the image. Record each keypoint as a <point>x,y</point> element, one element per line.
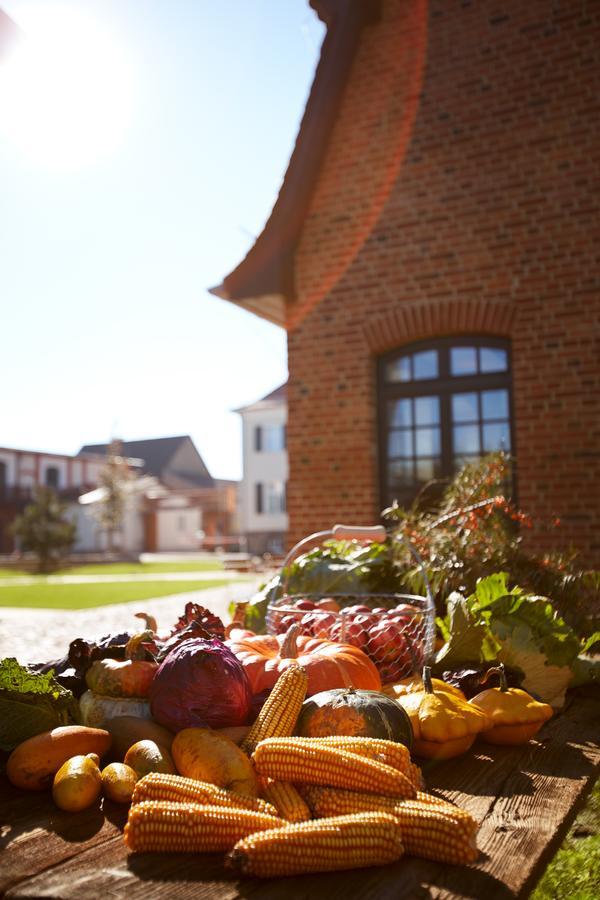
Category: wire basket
<point>396,631</point>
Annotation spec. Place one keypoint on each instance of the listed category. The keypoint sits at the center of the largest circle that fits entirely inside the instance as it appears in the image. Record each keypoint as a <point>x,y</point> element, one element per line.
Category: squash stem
<point>427,680</point>
<point>289,647</point>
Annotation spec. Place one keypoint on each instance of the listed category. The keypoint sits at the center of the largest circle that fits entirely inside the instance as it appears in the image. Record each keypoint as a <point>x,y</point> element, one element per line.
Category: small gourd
<point>78,783</point>
<point>414,684</point>
<point>130,677</point>
<point>444,724</point>
<point>515,716</point>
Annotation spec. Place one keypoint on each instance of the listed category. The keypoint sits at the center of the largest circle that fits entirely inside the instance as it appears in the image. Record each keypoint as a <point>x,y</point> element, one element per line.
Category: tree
<point>44,529</point>
<point>113,479</point>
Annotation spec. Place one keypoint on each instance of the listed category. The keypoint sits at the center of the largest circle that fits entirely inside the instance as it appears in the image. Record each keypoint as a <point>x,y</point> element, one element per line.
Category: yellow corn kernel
<point>286,800</point>
<point>329,801</point>
<point>389,752</point>
<point>434,830</point>
<point>312,762</point>
<point>280,712</point>
<point>343,842</point>
<point>445,834</point>
<point>177,789</point>
<point>163,827</point>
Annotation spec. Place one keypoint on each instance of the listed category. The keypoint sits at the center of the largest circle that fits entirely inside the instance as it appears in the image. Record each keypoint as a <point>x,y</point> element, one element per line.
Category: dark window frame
<point>443,386</point>
<point>52,477</point>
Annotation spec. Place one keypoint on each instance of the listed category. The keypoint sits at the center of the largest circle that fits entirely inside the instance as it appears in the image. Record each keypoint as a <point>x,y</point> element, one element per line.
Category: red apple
<point>304,604</point>
<point>317,624</point>
<point>329,603</point>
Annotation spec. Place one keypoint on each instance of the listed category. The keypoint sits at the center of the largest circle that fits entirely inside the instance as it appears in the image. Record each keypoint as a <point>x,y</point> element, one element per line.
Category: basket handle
<point>375,534</point>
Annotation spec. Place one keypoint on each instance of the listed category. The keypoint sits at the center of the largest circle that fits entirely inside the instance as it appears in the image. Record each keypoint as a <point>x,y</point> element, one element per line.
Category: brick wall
<point>459,195</point>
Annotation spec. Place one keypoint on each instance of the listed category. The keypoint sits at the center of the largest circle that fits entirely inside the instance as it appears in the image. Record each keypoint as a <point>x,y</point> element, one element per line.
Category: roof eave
<point>263,282</point>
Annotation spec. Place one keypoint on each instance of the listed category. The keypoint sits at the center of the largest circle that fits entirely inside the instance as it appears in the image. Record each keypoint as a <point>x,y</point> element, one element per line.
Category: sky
<point>142,145</point>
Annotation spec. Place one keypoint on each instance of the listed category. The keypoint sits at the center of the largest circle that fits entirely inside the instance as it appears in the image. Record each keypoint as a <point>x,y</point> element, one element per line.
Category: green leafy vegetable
<point>31,703</point>
<point>337,567</point>
<point>524,631</point>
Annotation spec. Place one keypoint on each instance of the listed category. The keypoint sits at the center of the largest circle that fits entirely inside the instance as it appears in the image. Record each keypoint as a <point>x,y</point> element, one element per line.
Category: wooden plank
<point>525,798</point>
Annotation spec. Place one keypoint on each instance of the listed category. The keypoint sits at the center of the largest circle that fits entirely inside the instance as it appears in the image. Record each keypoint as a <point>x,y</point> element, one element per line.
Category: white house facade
<point>263,491</point>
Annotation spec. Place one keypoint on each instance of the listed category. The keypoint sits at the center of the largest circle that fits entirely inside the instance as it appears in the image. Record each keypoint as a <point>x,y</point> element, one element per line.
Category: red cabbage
<point>201,683</point>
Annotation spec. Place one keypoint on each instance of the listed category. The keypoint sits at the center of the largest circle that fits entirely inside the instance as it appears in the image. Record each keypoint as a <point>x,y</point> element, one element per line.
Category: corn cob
<point>343,842</point>
<point>158,827</point>
<point>286,800</point>
<point>177,789</point>
<point>302,760</point>
<point>280,711</point>
<point>389,752</point>
<point>437,830</point>
<point>329,801</point>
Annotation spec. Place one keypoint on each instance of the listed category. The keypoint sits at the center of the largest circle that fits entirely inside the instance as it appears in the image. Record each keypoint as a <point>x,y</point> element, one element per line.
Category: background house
<point>263,489</point>
<point>182,506</point>
<point>21,471</point>
<point>433,255</point>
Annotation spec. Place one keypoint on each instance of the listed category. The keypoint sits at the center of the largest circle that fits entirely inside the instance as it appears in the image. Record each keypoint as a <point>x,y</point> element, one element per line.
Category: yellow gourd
<point>514,714</point>
<point>78,783</point>
<point>444,724</point>
<point>414,685</point>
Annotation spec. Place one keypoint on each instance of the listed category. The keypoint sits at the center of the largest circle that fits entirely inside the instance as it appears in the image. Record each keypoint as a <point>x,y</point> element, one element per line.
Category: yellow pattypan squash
<point>444,723</point>
<point>514,714</point>
<point>413,685</point>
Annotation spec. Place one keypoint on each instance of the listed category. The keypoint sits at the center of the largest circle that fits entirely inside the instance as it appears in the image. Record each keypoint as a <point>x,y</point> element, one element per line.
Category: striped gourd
<point>163,827</point>
<point>344,842</point>
<point>286,800</point>
<point>312,762</point>
<point>177,789</point>
<point>431,828</point>
<point>280,711</point>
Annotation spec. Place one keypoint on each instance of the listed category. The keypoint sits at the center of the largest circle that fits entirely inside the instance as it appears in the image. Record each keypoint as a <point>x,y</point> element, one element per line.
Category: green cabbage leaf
<point>31,703</point>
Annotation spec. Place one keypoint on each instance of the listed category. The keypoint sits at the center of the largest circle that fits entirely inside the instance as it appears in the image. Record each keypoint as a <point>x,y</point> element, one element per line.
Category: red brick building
<point>433,253</point>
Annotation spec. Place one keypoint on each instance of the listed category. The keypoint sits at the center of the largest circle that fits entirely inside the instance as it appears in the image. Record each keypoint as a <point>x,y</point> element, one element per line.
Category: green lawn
<point>574,873</point>
<point>132,568</point>
<point>86,596</point>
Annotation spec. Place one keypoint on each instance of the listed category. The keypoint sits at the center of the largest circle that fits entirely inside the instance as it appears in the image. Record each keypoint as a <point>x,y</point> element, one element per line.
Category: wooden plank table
<point>525,798</point>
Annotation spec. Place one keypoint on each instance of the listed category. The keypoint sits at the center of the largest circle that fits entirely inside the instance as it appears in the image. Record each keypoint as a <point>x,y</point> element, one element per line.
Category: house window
<point>441,404</point>
<point>52,477</point>
<point>2,478</point>
<point>270,497</point>
<point>270,438</point>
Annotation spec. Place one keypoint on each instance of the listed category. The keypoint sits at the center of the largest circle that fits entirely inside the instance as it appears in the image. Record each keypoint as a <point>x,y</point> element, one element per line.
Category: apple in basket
<point>387,644</point>
<point>329,604</point>
<point>353,630</point>
<point>304,604</point>
<point>317,624</point>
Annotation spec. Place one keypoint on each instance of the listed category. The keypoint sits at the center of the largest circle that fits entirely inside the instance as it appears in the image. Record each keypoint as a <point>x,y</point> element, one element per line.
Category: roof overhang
<point>263,283</point>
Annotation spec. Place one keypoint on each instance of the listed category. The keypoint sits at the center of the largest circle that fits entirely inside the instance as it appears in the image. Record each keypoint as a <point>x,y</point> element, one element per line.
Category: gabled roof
<point>278,397</point>
<point>156,454</point>
<point>264,281</point>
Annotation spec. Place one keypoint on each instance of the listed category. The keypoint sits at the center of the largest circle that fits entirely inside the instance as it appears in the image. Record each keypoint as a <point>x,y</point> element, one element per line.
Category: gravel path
<point>40,635</point>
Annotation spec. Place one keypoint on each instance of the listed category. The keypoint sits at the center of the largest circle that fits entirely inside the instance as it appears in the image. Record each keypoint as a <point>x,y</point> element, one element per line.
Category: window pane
<point>463,360</point>
<point>491,359</point>
<point>466,439</point>
<point>496,437</point>
<point>494,404</point>
<point>273,438</point>
<point>399,369</point>
<point>427,469</point>
<point>460,461</point>
<point>427,441</point>
<point>425,365</point>
<point>400,443</point>
<point>401,472</point>
<point>464,407</point>
<point>427,410</point>
<point>401,413</point>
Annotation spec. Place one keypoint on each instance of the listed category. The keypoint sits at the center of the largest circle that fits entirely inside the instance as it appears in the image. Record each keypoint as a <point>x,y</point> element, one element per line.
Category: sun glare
<point>66,91</point>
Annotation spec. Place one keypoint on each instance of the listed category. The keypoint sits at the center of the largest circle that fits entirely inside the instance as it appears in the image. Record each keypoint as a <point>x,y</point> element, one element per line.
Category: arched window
<point>441,404</point>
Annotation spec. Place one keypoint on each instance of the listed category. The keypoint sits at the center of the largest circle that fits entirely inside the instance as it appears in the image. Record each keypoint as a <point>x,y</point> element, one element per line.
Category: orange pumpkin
<point>328,665</point>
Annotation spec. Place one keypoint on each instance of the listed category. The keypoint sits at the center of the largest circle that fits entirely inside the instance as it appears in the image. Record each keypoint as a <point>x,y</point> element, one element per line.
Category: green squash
<point>354,713</point>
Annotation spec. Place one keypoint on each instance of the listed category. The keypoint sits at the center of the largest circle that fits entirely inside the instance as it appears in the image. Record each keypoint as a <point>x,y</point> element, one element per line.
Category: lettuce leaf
<point>524,631</point>
<point>31,703</point>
